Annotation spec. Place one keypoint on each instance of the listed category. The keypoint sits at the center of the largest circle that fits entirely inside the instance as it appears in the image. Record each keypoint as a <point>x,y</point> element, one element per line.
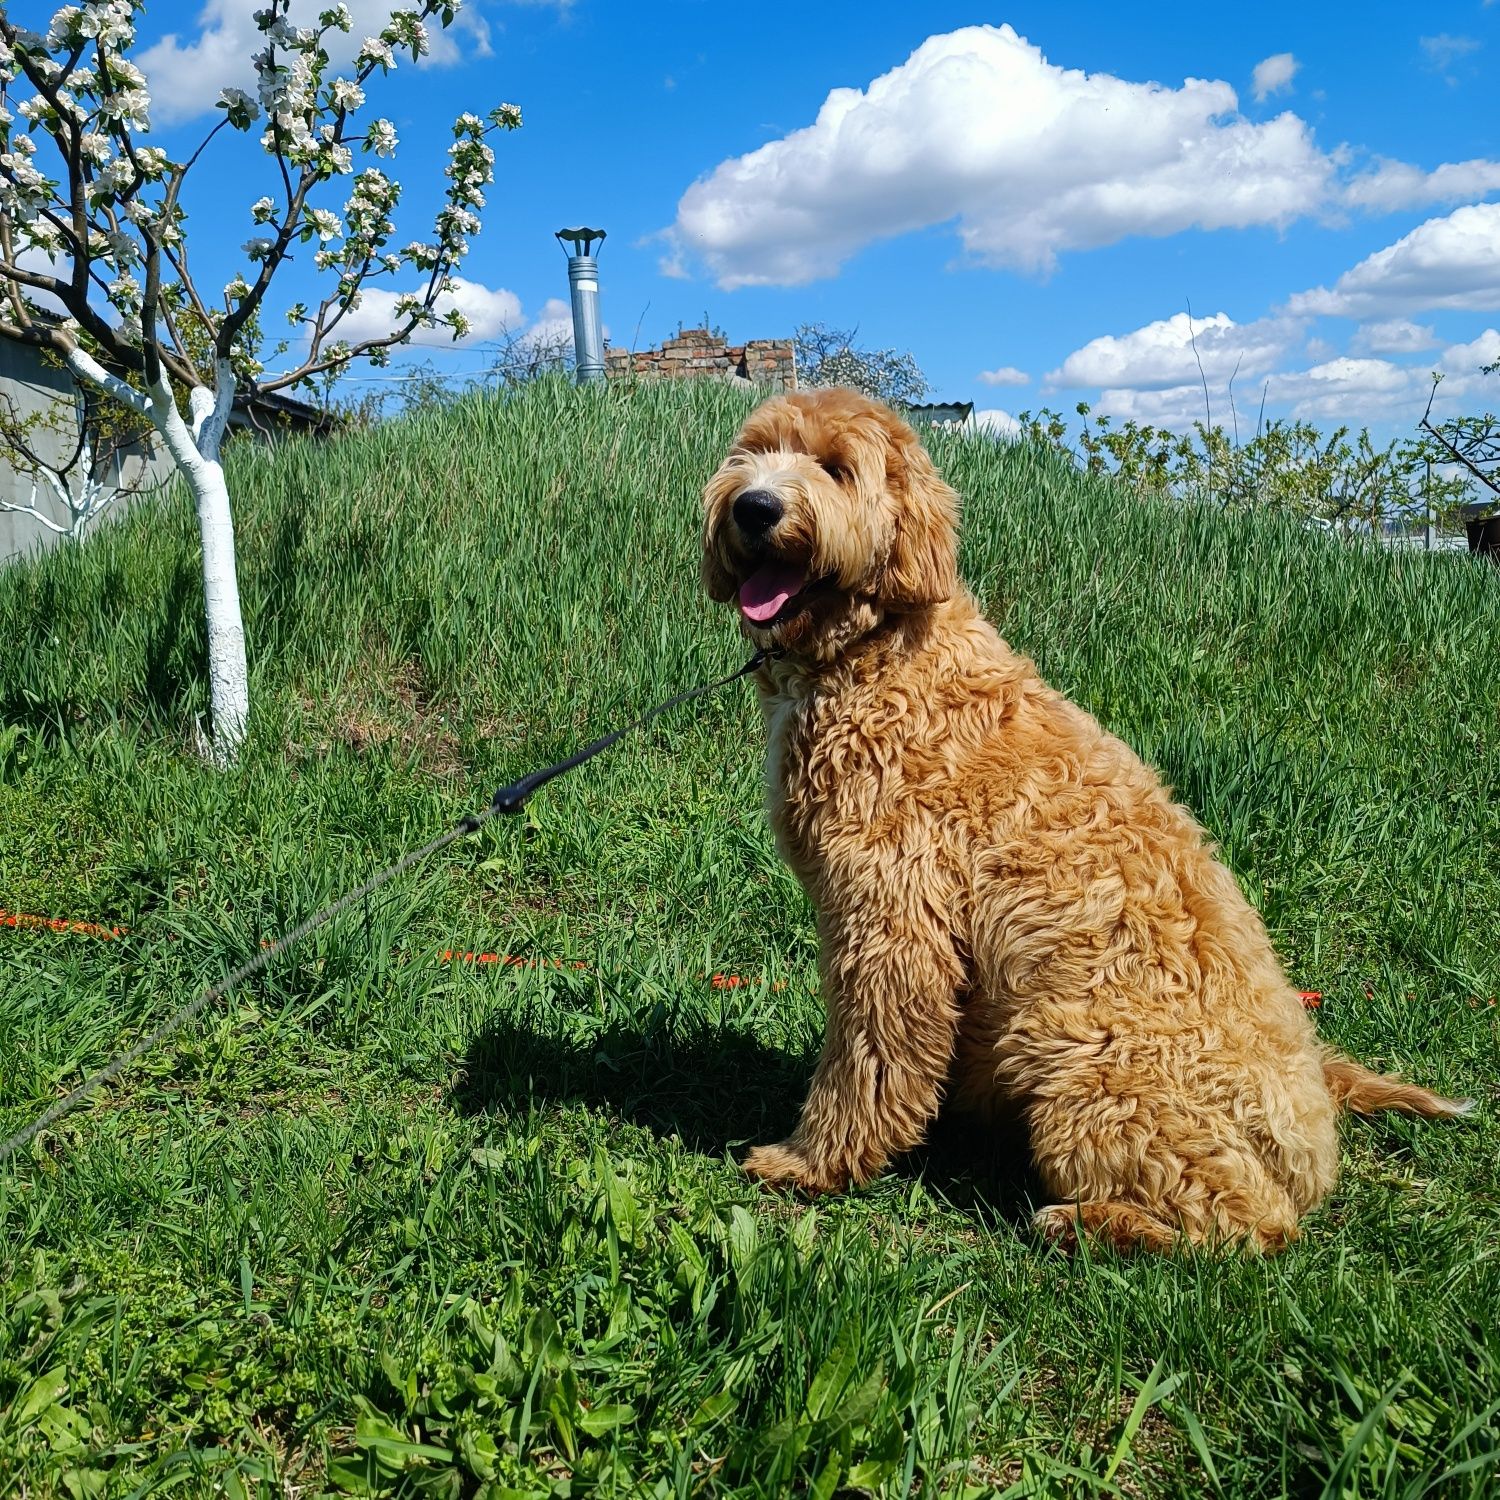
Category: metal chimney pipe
<point>583,287</point>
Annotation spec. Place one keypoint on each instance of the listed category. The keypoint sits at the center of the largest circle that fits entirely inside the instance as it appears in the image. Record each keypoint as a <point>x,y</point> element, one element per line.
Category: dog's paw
<point>786,1166</point>
<point>1058,1222</point>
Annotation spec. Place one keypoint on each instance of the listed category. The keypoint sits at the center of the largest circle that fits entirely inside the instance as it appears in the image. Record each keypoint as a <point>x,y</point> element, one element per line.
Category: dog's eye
<point>833,469</point>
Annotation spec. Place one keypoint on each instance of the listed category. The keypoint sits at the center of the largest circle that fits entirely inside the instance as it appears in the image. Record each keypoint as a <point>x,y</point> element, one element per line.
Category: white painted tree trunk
<point>195,450</point>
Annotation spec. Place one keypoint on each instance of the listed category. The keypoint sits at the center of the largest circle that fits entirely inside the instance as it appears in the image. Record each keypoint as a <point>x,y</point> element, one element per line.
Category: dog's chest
<point>823,778</point>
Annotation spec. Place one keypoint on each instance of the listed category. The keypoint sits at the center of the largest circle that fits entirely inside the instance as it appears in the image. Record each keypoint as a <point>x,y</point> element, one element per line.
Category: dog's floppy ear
<point>922,567</point>
<point>717,584</point>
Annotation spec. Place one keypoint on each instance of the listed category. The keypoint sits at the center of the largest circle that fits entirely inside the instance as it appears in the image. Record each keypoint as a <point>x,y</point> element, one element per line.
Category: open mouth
<point>771,591</point>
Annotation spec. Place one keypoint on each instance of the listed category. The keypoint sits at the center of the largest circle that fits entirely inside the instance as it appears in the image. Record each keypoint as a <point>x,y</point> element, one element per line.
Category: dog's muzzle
<point>756,512</point>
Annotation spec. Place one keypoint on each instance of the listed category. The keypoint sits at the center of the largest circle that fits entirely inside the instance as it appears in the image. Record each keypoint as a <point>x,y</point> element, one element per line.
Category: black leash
<point>507,799</point>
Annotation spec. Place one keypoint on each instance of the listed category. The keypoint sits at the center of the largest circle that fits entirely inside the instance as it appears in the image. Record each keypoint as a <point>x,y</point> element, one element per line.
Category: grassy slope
<point>377,1198</point>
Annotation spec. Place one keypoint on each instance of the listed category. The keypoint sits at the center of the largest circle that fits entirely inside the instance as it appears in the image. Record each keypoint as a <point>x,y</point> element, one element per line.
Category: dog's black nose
<point>756,512</point>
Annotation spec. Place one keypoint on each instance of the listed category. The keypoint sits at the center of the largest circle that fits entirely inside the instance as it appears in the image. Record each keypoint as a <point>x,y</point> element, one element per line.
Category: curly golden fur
<point>1013,912</point>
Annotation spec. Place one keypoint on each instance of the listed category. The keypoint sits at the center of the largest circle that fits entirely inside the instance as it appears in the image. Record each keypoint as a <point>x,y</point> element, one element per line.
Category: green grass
<point>385,1224</point>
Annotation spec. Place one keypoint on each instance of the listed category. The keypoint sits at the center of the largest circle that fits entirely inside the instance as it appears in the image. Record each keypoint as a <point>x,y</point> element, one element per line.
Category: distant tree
<point>828,356</point>
<point>1472,443</point>
<point>86,455</point>
<point>96,223</point>
<point>523,356</point>
<point>1343,478</point>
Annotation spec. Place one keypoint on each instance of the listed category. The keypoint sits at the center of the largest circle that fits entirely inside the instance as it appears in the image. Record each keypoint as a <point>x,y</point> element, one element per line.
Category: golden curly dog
<point>1011,908</point>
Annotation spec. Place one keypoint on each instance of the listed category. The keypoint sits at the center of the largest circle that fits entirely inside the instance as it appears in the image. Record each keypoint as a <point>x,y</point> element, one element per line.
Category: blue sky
<point>1021,189</point>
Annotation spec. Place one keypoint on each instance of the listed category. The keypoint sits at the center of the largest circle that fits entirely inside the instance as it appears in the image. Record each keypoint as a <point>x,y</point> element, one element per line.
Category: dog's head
<point>826,517</point>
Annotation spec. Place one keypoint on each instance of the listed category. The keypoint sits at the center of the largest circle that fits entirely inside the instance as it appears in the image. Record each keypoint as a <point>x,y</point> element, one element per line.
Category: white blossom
<point>295,38</point>
<point>123,249</point>
<point>263,210</point>
<point>406,30</point>
<point>45,236</point>
<point>108,21</point>
<point>24,192</point>
<point>375,50</point>
<point>324,223</point>
<point>346,95</point>
<point>258,247</point>
<point>94,147</point>
<point>129,107</point>
<point>116,177</point>
<point>243,110</point>
<point>381,138</point>
<point>125,292</point>
<point>125,72</point>
<point>64,29</point>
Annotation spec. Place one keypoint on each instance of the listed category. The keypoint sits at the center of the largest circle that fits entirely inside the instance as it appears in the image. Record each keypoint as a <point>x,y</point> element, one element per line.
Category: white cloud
<point>1356,391</point>
<point>186,71</point>
<point>553,325</point>
<point>1449,262</point>
<point>1005,375</point>
<point>40,263</point>
<point>1391,185</point>
<point>1173,407</point>
<point>1026,160</point>
<point>1031,159</point>
<point>1444,49</point>
<point>1394,336</point>
<point>994,423</point>
<point>491,313</point>
<point>1161,355</point>
<point>1461,364</point>
<point>1273,74</point>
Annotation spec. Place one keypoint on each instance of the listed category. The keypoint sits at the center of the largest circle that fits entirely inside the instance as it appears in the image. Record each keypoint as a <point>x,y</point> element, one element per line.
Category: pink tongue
<point>766,590</point>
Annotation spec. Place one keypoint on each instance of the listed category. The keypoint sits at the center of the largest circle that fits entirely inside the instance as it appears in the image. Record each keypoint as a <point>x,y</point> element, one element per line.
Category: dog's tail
<point>1357,1088</point>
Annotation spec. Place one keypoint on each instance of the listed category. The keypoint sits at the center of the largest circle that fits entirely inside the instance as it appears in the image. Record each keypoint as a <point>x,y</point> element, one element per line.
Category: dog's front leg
<point>891,985</point>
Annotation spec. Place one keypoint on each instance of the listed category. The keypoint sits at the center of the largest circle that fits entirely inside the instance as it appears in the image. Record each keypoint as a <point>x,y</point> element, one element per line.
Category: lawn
<point>395,1220</point>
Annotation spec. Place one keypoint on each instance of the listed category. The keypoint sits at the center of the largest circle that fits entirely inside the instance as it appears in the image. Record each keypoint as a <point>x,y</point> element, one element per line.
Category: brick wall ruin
<point>697,353</point>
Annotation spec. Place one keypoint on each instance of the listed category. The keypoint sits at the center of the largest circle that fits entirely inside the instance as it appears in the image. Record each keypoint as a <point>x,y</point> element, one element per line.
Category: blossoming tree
<point>92,217</point>
<point>82,457</point>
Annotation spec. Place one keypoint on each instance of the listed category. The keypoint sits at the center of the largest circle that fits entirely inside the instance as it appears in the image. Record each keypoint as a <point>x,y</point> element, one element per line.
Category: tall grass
<point>486,1211</point>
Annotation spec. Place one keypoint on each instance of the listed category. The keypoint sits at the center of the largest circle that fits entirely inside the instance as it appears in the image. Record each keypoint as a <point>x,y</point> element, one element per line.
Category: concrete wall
<point>695,353</point>
<point>31,385</point>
